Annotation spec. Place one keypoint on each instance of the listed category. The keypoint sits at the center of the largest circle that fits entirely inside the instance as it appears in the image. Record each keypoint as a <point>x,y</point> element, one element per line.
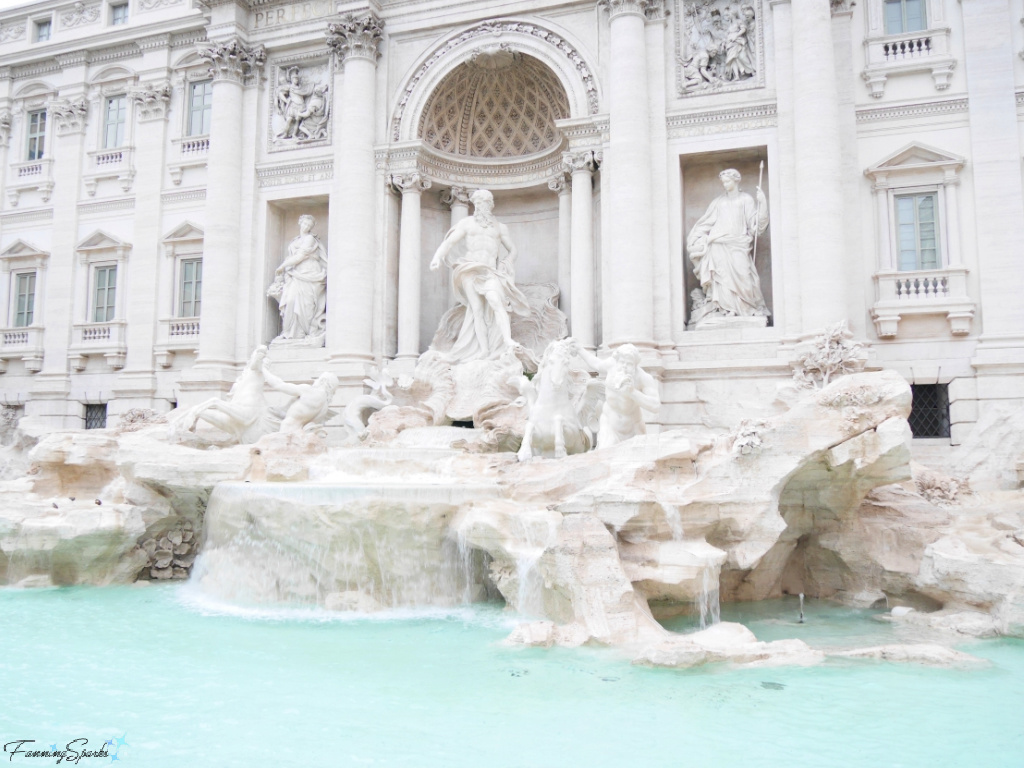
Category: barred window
<point>929,412</point>
<point>96,416</point>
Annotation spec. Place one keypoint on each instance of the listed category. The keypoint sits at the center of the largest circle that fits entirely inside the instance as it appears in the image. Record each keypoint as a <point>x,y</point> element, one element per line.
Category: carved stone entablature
<point>587,159</point>
<point>80,14</point>
<point>301,116</point>
<point>304,174</point>
<point>411,182</point>
<point>12,32</point>
<point>720,46</point>
<point>356,35</point>
<point>747,118</point>
<point>68,116</point>
<point>153,100</point>
<point>455,195</point>
<point>233,60</point>
<point>5,128</point>
<point>513,35</point>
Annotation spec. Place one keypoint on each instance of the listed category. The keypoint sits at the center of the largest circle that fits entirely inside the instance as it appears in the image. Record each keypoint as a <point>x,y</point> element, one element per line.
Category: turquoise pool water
<point>188,684</point>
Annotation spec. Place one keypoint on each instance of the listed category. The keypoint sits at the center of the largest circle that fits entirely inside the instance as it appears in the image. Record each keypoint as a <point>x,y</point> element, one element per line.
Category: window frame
<point>121,135</point>
<point>30,136</point>
<point>37,25</point>
<point>206,109</point>
<point>112,15</point>
<point>179,300</point>
<point>16,294</point>
<point>939,223</point>
<point>903,17</point>
<point>94,289</point>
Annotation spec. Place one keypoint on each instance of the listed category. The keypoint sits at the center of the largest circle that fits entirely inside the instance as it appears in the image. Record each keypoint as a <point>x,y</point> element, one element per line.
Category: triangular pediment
<point>101,241</point>
<point>21,249</point>
<point>184,233</point>
<point>915,156</point>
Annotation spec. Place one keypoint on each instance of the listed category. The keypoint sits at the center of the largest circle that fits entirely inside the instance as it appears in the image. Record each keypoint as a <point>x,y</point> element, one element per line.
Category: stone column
<point>561,186</point>
<point>819,209</point>
<point>232,62</point>
<point>412,185</point>
<point>351,270</point>
<point>884,231</point>
<point>951,192</point>
<point>137,384</point>
<point>628,288</point>
<point>581,253</point>
<point>68,119</point>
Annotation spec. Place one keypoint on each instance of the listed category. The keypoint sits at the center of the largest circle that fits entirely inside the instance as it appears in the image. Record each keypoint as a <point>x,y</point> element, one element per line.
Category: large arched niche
<point>542,43</point>
<point>499,104</point>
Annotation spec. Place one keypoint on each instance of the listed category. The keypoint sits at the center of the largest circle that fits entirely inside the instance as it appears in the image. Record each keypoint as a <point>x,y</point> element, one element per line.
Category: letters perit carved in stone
<point>719,46</point>
<point>356,35</point>
<point>232,59</point>
<point>301,113</point>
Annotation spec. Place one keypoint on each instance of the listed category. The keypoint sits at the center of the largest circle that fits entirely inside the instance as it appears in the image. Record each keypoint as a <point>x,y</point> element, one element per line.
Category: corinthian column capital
<point>412,182</point>
<point>584,160</point>
<point>625,7</point>
<point>356,35</point>
<point>232,59</point>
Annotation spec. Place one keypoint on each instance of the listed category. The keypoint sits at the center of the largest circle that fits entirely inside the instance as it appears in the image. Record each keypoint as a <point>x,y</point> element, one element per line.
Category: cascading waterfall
<point>710,612</point>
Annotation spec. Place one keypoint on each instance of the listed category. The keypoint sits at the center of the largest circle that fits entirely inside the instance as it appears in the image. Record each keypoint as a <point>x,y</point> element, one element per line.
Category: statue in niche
<point>300,288</point>
<point>484,282</point>
<point>302,108</point>
<point>720,39</point>
<point>720,247</point>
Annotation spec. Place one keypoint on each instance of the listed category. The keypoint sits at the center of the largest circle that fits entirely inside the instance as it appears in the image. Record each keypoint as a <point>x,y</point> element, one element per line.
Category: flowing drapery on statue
<point>484,282</point>
<point>720,248</point>
<point>300,288</point>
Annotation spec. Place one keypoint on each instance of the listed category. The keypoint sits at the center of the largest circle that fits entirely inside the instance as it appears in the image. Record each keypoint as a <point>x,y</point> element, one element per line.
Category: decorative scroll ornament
<point>720,43</point>
<point>356,35</point>
<point>497,28</point>
<point>11,32</point>
<point>411,182</point>
<point>302,107</point>
<point>587,159</point>
<point>5,128</point>
<point>455,195</point>
<point>68,116</point>
<point>232,59</point>
<point>80,14</point>
<point>153,100</point>
<point>560,183</point>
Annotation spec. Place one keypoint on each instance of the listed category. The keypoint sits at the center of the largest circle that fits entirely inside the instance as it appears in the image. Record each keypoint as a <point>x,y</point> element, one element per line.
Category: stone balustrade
<point>175,334</point>
<point>31,175</point>
<point>923,292</point>
<point>25,343</point>
<point>109,164</point>
<point>926,51</point>
<point>91,339</point>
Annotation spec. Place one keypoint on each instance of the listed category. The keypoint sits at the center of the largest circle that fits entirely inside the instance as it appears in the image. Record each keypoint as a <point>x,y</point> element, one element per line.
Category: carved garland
<point>80,14</point>
<point>496,28</point>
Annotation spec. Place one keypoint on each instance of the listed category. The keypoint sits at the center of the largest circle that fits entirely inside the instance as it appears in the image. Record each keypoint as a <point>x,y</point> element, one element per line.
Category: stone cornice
<point>721,120</point>
<point>922,109</point>
<point>356,35</point>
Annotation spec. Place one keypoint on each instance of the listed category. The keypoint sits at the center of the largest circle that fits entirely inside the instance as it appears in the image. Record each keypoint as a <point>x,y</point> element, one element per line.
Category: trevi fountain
<point>488,559</point>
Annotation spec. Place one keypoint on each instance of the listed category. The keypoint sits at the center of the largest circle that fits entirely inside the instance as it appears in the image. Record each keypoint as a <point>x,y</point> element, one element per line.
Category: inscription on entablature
<point>292,13</point>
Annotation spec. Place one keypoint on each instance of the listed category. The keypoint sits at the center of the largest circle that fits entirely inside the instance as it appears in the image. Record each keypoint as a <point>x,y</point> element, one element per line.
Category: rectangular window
<point>929,410</point>
<point>113,122</point>
<point>106,289</point>
<point>903,16</point>
<point>191,288</point>
<point>118,14</point>
<point>36,134</point>
<point>917,231</point>
<point>96,416</point>
<point>200,106</point>
<point>42,30</point>
<point>24,299</point>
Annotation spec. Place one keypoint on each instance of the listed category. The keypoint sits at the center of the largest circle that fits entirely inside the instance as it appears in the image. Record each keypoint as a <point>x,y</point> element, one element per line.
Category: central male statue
<point>484,282</point>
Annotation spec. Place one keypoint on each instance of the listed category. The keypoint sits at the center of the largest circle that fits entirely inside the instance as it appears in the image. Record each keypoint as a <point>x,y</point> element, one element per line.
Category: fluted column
<point>351,270</point>
<point>412,186</point>
<point>561,186</point>
<point>232,62</point>
<point>628,291</point>
<point>819,170</point>
<point>581,253</point>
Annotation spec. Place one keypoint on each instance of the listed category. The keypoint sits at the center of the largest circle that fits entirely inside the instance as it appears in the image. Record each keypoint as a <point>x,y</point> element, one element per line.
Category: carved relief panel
<point>719,46</point>
<point>300,104</point>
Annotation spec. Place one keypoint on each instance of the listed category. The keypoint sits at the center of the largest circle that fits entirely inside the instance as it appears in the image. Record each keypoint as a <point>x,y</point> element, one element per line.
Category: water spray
<point>801,607</point>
